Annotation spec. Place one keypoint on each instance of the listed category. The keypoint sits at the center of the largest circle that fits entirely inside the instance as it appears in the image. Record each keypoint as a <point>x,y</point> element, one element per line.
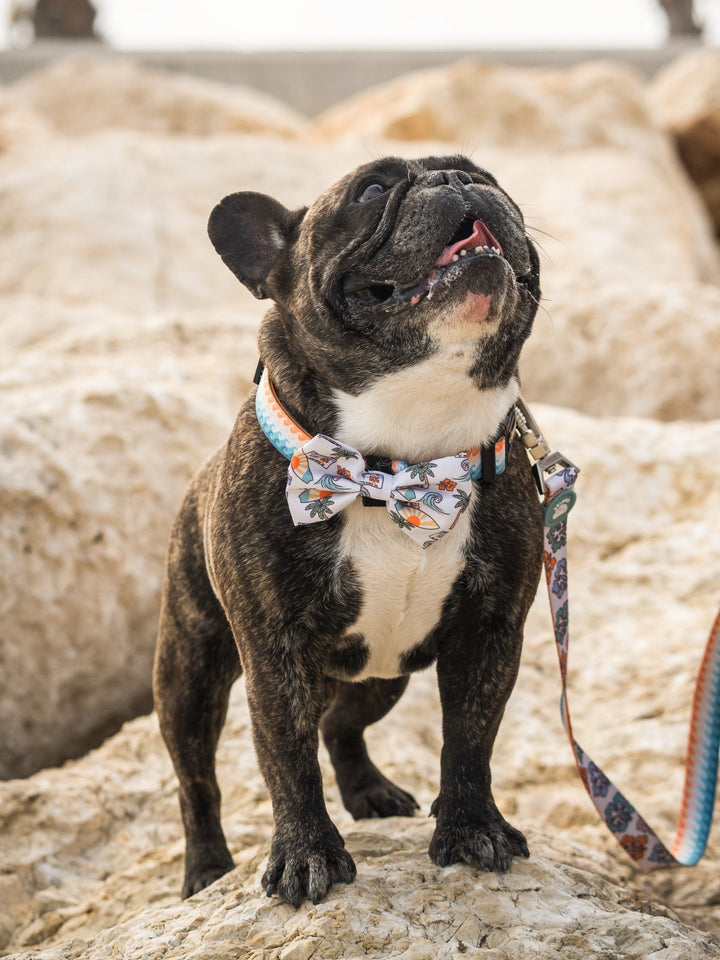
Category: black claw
<point>270,889</point>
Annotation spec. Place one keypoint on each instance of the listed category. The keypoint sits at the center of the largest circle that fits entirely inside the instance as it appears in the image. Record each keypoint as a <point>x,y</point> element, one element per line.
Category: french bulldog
<point>401,299</point>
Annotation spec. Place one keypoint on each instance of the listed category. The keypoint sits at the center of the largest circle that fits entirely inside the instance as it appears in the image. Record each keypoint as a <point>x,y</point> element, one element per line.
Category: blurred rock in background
<point>128,348</point>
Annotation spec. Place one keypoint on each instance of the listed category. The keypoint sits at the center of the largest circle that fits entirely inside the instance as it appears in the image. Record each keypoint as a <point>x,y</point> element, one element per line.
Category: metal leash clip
<point>546,462</point>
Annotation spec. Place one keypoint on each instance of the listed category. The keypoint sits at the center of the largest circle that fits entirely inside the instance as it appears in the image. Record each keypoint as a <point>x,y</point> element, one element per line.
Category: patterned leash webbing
<point>621,818</point>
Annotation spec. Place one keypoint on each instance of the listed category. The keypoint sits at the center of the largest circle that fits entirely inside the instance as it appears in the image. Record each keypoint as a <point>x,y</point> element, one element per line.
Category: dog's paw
<point>304,868</point>
<point>489,843</point>
<point>201,877</point>
<point>376,796</point>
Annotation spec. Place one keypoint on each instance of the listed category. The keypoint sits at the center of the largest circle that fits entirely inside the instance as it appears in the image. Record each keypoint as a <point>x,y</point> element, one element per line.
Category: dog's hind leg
<point>196,664</point>
<point>365,791</point>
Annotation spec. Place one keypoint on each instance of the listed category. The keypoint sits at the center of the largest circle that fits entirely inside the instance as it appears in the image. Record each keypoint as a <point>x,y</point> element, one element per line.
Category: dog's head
<point>398,260</point>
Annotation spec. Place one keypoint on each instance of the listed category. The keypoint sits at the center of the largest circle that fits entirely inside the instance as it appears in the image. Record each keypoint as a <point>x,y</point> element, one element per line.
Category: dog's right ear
<point>251,232</point>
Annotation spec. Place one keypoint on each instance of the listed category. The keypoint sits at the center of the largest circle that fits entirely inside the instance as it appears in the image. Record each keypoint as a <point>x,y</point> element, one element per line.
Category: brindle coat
<point>359,303</point>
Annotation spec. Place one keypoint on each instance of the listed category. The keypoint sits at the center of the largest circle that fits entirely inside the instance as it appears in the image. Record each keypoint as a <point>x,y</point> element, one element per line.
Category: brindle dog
<point>401,300</point>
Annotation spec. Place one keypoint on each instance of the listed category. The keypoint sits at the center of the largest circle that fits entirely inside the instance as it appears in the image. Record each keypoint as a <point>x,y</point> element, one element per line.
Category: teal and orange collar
<point>287,436</point>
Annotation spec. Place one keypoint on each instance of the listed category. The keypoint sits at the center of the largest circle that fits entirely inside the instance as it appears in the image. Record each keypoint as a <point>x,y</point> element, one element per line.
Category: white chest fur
<point>403,586</point>
<point>428,410</point>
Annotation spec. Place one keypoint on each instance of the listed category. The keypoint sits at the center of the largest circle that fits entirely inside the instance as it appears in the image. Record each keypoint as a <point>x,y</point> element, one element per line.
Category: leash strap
<point>556,476</point>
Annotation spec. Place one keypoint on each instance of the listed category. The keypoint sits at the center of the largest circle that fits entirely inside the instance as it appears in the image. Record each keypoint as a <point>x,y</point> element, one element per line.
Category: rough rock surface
<point>98,437</point>
<point>92,852</point>
<point>86,94</point>
<point>20,127</point>
<point>127,347</point>
<point>596,104</point>
<point>685,100</point>
<point>644,350</point>
<point>122,220</point>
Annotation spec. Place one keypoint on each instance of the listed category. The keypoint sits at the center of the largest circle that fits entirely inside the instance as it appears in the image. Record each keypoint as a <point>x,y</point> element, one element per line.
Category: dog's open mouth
<point>471,241</point>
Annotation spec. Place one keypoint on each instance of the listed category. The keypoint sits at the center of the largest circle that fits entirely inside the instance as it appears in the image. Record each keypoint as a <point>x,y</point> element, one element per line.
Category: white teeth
<point>483,249</point>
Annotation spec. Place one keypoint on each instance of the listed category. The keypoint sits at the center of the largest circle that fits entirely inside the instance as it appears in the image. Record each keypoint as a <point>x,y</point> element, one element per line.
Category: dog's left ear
<point>252,232</point>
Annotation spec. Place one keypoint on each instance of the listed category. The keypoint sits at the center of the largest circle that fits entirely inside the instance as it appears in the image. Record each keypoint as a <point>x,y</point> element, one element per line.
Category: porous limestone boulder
<point>615,348</point>
<point>685,100</point>
<point>627,253</point>
<point>92,852</point>
<point>119,218</point>
<point>21,128</point>
<point>77,95</point>
<point>128,346</point>
<point>596,104</point>
<point>98,436</point>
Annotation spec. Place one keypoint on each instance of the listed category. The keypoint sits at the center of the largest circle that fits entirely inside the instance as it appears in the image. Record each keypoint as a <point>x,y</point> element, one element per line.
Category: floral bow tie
<point>424,499</point>
<point>325,475</point>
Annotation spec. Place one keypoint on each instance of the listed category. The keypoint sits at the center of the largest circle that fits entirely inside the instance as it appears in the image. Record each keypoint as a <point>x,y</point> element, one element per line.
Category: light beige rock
<point>92,852</point>
<point>84,94</point>
<point>21,128</point>
<point>596,104</point>
<point>99,436</point>
<point>614,348</point>
<point>127,347</point>
<point>685,100</point>
<point>105,267</point>
<point>110,403</point>
<point>605,215</point>
<point>121,220</point>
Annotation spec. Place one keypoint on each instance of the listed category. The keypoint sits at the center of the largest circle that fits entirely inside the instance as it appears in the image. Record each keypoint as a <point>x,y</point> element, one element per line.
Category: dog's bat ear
<point>251,232</point>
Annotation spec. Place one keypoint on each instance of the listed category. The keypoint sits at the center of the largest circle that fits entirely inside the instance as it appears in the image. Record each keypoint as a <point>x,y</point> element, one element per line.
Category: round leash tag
<point>559,507</point>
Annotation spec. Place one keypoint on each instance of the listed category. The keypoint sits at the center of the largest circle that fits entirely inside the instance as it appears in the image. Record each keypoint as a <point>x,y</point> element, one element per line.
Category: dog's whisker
<point>540,303</point>
<point>545,233</point>
<point>375,153</point>
<point>547,314</point>
<point>542,249</point>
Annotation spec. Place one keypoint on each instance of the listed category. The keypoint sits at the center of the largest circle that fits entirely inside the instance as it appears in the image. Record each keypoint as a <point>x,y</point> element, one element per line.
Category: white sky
<point>390,24</point>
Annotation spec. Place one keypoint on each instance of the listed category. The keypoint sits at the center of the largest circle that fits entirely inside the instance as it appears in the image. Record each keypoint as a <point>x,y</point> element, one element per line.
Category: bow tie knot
<point>424,499</point>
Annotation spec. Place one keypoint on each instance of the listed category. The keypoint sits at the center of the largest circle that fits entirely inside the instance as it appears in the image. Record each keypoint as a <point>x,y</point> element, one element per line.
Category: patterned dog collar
<point>287,436</point>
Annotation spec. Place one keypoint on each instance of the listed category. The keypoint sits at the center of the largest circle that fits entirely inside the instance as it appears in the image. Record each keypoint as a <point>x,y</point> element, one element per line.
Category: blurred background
<point>126,349</point>
<point>385,24</point>
<point>313,54</point>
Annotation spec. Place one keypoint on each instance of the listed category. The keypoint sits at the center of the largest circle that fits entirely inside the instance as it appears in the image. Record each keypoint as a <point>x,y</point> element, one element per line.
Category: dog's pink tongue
<point>480,237</point>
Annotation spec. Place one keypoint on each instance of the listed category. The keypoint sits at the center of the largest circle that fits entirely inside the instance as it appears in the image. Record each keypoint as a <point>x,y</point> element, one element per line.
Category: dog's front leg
<point>285,693</point>
<point>476,674</point>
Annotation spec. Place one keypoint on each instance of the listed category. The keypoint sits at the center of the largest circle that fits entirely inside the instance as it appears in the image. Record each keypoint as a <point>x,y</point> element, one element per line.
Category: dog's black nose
<point>437,178</point>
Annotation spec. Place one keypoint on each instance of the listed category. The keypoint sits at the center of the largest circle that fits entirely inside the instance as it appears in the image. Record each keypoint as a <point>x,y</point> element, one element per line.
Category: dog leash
<point>555,476</point>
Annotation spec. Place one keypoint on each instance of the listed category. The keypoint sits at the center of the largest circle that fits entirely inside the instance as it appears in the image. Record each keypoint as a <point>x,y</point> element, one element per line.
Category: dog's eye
<point>367,293</point>
<point>371,191</point>
<point>380,291</point>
